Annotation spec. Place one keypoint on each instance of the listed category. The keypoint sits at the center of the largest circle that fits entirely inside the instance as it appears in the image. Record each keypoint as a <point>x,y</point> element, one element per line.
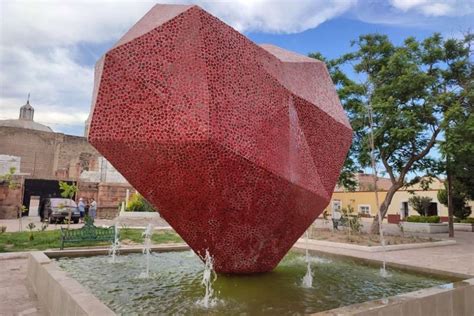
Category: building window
<point>364,209</point>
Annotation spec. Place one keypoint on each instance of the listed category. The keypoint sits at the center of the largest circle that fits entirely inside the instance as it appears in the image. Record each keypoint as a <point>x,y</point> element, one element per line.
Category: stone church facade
<point>37,152</point>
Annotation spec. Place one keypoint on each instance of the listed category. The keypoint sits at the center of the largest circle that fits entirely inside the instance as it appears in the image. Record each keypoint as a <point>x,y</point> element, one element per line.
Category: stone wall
<point>9,202</point>
<point>47,155</point>
<point>110,195</point>
<point>107,195</point>
<point>88,190</point>
<point>35,148</point>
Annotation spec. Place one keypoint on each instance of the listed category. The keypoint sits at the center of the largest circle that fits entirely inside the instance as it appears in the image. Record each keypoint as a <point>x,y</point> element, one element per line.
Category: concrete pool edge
<point>454,300</point>
<point>325,243</point>
<point>62,295</point>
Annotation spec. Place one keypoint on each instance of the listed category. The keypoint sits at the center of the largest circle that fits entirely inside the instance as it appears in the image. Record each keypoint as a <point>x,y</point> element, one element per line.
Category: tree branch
<point>420,155</point>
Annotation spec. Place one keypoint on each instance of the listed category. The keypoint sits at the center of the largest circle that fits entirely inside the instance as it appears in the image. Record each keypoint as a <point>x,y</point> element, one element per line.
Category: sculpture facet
<point>238,146</point>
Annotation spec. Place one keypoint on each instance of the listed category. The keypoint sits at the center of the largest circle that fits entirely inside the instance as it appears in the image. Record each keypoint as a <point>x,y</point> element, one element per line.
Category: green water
<point>174,286</point>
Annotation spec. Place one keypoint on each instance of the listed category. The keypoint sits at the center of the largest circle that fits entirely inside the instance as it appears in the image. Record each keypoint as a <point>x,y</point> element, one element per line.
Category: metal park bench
<point>88,232</point>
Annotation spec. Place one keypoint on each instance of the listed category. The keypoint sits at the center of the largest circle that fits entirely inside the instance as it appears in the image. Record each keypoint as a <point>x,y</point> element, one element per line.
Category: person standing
<point>93,208</point>
<point>336,217</point>
<point>86,208</point>
<point>82,209</point>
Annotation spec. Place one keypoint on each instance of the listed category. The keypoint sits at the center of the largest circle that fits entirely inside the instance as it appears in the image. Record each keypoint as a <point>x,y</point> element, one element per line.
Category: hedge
<point>423,219</point>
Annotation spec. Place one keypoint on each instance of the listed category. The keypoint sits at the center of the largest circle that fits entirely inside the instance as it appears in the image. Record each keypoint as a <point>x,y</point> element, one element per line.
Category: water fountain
<point>308,278</point>
<point>114,248</point>
<point>147,249</point>
<point>179,285</point>
<point>306,132</point>
<point>208,278</point>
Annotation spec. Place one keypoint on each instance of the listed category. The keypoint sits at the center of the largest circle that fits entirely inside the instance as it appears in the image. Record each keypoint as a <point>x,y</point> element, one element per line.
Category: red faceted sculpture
<point>238,146</point>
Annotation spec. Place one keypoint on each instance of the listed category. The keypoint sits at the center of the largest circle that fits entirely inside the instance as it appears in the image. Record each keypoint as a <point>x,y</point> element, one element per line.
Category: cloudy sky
<point>49,48</point>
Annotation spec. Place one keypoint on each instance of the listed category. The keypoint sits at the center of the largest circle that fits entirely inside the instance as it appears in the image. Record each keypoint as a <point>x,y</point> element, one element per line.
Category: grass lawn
<point>49,239</point>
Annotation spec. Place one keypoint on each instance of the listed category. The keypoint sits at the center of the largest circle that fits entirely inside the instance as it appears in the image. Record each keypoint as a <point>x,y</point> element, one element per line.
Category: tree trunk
<point>374,229</point>
<point>450,200</point>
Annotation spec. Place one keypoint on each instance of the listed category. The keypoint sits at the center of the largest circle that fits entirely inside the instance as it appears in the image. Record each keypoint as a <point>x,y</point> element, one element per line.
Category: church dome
<point>25,120</point>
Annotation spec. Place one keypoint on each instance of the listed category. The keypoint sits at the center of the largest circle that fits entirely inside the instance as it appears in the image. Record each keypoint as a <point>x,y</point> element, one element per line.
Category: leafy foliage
<point>353,219</point>
<point>138,203</point>
<point>457,147</point>
<point>9,180</point>
<point>421,204</point>
<point>67,190</point>
<point>423,219</point>
<point>461,208</point>
<point>30,227</point>
<point>411,89</point>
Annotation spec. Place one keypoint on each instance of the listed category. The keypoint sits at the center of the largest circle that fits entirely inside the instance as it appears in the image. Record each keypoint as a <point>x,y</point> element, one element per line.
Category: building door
<point>40,189</point>
<point>433,209</point>
<point>404,210</point>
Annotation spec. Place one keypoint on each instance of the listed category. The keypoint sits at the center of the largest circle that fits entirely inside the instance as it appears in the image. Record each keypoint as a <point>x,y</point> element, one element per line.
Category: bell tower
<point>26,111</point>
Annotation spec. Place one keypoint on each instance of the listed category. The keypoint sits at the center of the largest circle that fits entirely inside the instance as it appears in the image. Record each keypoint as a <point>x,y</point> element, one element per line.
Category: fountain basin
<point>174,286</point>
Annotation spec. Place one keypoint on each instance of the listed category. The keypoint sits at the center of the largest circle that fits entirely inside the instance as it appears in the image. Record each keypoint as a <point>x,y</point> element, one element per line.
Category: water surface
<point>174,285</point>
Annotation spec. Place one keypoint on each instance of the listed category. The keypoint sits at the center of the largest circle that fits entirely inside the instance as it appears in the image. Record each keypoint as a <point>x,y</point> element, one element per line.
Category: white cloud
<point>40,40</point>
<point>56,22</point>
<point>59,86</point>
<point>42,43</point>
<point>277,16</point>
<point>436,7</point>
<point>61,22</point>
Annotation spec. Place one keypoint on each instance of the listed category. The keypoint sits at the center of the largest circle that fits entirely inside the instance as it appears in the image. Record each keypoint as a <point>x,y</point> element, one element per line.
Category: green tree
<point>461,209</point>
<point>407,89</point>
<point>421,204</point>
<point>457,146</point>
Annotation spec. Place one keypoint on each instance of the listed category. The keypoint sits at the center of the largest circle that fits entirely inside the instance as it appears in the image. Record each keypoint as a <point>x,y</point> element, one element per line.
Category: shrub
<point>355,224</point>
<point>31,226</point>
<point>469,220</point>
<point>3,229</point>
<point>423,219</point>
<point>138,203</point>
<point>461,209</point>
<point>421,204</point>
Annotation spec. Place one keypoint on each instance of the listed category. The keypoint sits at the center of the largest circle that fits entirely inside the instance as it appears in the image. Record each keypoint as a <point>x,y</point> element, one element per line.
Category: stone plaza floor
<point>16,295</point>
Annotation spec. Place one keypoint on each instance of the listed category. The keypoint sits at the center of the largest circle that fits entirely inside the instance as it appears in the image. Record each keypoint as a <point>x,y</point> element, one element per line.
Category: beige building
<point>364,202</point>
